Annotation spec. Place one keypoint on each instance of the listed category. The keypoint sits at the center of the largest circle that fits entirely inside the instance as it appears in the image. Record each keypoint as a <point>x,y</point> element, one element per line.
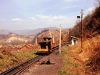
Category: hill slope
<point>89,54</point>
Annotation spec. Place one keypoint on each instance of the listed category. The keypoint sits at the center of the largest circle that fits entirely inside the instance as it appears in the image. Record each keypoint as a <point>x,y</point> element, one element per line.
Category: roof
<point>74,37</point>
<point>47,38</point>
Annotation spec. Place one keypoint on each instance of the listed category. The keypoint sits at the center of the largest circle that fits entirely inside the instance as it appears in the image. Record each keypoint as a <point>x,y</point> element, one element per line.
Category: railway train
<point>45,45</point>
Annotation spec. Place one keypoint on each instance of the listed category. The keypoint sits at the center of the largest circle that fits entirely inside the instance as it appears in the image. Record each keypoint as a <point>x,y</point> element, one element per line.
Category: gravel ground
<point>46,69</point>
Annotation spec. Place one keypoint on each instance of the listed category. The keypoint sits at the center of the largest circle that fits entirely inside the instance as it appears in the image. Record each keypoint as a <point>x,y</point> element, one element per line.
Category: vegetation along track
<point>19,68</point>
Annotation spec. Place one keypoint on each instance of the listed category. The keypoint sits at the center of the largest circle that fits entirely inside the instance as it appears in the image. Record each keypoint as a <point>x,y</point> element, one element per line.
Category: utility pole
<point>60,40</point>
<point>50,33</point>
<point>36,40</point>
<point>68,35</point>
<point>53,40</point>
<point>81,28</point>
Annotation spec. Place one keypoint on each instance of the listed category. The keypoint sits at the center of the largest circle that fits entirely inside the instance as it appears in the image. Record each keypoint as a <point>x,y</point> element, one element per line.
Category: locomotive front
<point>45,45</point>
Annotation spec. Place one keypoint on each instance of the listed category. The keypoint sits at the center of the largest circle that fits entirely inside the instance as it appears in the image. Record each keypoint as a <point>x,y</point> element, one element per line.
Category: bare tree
<point>98,3</point>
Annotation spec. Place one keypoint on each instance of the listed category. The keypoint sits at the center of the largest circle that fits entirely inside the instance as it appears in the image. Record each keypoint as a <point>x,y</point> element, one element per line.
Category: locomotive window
<point>43,45</point>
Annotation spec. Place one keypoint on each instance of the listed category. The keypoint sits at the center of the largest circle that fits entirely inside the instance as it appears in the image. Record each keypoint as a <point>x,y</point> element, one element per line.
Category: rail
<point>19,68</point>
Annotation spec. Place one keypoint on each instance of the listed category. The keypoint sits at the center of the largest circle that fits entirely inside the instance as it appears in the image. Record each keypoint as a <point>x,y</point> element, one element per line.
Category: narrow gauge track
<point>19,68</point>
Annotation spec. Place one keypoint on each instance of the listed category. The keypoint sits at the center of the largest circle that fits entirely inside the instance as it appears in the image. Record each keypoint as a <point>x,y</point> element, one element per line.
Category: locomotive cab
<point>45,45</point>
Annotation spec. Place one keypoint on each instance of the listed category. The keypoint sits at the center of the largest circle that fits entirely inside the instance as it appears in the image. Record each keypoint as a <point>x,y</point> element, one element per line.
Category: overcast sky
<point>33,14</point>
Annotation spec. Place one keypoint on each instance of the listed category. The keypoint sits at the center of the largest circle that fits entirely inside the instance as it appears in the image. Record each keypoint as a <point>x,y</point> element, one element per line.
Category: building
<point>74,40</point>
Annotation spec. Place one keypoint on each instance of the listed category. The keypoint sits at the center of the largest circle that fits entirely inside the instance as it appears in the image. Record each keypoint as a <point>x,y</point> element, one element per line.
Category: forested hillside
<point>89,52</point>
<point>91,25</point>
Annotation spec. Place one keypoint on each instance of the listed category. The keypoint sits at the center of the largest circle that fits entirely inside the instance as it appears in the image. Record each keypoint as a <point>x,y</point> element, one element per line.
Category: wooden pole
<point>50,33</point>
<point>53,39</point>
<point>81,28</point>
<point>36,40</point>
<point>60,40</point>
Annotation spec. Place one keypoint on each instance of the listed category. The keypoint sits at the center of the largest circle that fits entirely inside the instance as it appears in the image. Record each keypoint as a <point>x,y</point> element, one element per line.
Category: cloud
<point>33,18</point>
<point>50,17</point>
<point>67,7</point>
<point>43,16</point>
<point>17,19</point>
<point>55,20</point>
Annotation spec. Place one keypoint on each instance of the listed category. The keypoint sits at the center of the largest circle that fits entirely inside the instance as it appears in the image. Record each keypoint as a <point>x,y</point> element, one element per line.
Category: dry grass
<point>71,65</point>
<point>89,54</point>
<point>85,61</point>
<point>8,60</point>
<point>92,50</point>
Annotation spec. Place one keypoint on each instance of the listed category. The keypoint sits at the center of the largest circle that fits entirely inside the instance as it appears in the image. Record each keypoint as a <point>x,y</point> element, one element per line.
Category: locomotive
<point>45,45</point>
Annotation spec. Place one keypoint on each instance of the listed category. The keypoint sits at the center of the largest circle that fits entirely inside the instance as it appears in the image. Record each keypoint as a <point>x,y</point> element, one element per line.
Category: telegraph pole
<point>60,40</point>
<point>81,28</point>
<point>53,40</point>
<point>36,40</point>
<point>50,33</point>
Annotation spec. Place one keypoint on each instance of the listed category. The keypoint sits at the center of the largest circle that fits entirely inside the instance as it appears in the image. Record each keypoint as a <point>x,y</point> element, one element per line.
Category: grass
<point>8,60</point>
<point>5,61</point>
<point>89,56</point>
<point>71,66</point>
<point>26,55</point>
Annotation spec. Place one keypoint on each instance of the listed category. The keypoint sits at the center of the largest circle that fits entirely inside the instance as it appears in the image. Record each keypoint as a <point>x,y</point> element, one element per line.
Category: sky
<point>33,14</point>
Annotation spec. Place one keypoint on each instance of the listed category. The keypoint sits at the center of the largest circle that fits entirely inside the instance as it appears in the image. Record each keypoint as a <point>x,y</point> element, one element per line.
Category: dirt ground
<point>41,68</point>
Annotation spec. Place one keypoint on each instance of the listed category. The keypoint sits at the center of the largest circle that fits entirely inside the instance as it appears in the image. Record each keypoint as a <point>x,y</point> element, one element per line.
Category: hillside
<point>91,25</point>
<point>15,49</point>
<point>54,33</point>
<point>13,40</point>
<point>89,54</point>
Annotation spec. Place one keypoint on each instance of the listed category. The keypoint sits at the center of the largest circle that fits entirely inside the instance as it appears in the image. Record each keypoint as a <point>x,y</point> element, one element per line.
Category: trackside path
<point>44,69</point>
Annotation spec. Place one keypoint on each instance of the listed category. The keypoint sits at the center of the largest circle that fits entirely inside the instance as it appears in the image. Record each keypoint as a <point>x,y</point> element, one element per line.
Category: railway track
<point>21,67</point>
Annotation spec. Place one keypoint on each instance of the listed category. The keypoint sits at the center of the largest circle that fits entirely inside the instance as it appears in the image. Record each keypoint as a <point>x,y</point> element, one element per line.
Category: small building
<point>74,40</point>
